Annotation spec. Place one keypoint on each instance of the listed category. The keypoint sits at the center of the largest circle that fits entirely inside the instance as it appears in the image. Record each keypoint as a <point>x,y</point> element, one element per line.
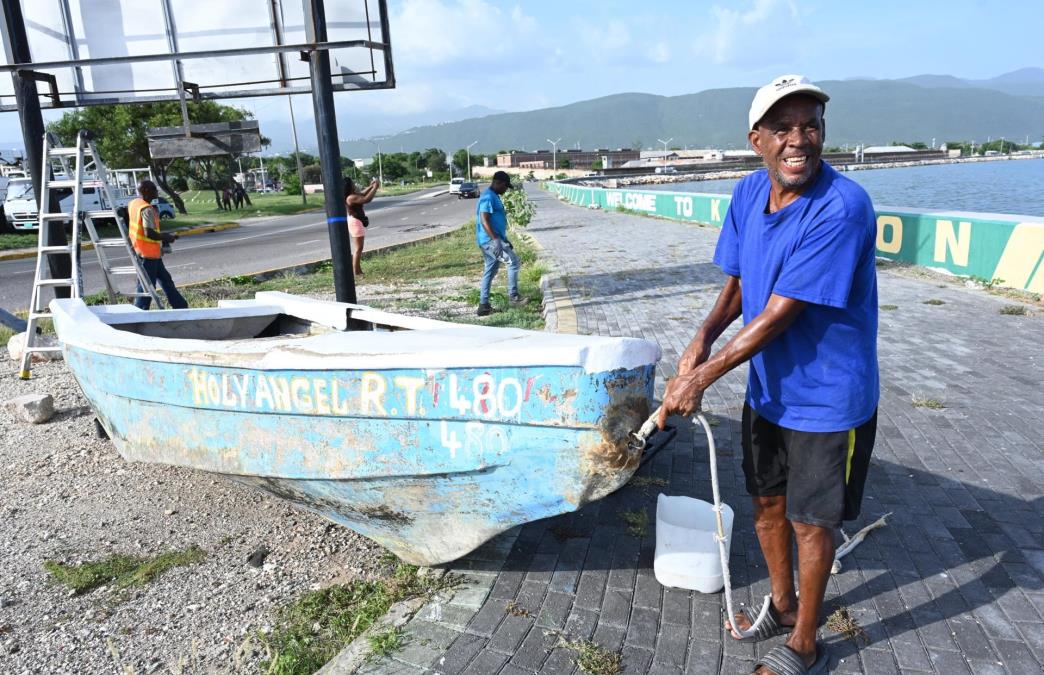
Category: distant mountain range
<point>868,111</point>
<point>349,121</point>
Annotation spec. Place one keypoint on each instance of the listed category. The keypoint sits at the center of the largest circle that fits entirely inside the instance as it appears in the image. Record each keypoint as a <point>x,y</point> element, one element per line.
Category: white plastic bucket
<point>686,551</point>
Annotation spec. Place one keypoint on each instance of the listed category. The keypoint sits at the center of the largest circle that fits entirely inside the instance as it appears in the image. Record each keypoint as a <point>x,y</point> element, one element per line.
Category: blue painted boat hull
<point>404,480</point>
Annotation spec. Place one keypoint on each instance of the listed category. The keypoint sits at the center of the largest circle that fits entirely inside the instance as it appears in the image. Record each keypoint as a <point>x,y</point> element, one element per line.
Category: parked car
<point>20,203</point>
<point>454,185</point>
<point>468,190</point>
<point>165,208</point>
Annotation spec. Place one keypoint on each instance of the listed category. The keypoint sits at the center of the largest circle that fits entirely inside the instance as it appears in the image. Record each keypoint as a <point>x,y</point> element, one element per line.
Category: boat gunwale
<point>466,346</point>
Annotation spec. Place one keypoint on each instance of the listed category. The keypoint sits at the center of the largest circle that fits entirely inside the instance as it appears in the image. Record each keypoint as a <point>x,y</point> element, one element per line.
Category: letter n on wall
<point>957,243</point>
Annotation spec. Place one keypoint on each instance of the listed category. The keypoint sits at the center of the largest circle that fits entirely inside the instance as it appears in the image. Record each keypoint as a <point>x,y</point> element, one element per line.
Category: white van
<point>20,204</point>
<point>455,184</point>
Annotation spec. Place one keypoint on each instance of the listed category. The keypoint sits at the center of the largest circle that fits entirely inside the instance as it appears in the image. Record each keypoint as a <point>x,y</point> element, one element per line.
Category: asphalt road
<point>265,243</point>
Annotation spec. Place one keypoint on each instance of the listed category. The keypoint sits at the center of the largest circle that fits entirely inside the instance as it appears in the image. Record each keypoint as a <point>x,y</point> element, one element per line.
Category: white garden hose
<point>638,441</point>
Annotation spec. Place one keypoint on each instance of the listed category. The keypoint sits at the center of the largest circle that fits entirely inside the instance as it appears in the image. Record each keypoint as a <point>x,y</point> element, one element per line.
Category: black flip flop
<point>770,627</point>
<point>783,660</point>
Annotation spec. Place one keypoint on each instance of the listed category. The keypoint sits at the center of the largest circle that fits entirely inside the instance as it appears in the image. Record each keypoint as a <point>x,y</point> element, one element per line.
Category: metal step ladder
<point>78,168</point>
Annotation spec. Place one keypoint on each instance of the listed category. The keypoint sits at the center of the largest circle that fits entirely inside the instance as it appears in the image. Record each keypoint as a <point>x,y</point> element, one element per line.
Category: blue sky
<point>539,53</point>
<point>516,56</point>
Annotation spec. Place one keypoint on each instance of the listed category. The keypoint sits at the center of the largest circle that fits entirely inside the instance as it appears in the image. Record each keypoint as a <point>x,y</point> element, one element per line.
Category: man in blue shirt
<point>798,246</point>
<point>491,237</point>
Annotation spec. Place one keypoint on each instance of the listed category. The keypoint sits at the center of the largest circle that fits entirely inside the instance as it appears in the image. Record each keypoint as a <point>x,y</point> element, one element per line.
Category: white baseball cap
<point>781,87</point>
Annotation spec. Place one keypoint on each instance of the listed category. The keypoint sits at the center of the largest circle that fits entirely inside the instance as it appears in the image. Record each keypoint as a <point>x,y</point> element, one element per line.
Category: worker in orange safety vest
<point>144,222</point>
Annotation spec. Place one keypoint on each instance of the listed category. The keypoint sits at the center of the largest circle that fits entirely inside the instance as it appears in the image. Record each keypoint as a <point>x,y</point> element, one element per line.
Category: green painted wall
<point>988,246</point>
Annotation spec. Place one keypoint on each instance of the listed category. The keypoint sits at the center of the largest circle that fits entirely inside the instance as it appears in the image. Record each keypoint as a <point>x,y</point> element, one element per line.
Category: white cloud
<point>604,37</point>
<point>659,53</point>
<point>437,33</point>
<point>765,32</point>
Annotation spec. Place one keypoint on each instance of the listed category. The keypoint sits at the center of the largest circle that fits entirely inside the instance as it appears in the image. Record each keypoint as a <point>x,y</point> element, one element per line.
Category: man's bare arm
<point>487,225</point>
<point>727,308</point>
<point>685,393</point>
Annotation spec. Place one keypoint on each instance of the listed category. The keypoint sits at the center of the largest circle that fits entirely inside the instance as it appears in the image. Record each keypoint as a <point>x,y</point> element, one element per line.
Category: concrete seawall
<point>1002,249</point>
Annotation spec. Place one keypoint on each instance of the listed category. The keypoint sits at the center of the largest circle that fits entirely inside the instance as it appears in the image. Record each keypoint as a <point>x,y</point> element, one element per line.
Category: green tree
<point>121,136</point>
<point>460,161</point>
<point>434,159</point>
<point>313,173</point>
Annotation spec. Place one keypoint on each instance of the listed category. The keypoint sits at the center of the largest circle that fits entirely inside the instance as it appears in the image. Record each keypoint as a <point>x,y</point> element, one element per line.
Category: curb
<point>18,254</point>
<point>559,311</point>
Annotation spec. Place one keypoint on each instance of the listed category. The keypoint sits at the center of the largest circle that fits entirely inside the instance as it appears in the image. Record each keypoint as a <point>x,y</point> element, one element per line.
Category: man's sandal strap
<point>783,660</point>
<point>768,628</point>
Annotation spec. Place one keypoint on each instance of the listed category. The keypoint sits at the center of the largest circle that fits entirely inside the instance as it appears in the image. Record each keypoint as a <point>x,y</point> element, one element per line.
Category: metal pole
<point>28,102</point>
<point>329,153</point>
<point>469,158</point>
<point>665,151</point>
<point>297,150</point>
<point>554,154</point>
<point>380,165</point>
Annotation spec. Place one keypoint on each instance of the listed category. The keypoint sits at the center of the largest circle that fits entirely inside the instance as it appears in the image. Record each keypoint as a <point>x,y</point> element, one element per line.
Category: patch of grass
<point>396,190</point>
<point>988,284</point>
<point>10,242</point>
<point>385,642</point>
<point>934,301</point>
<point>122,570</point>
<point>843,623</point>
<point>203,210</point>
<point>637,522</point>
<point>515,609</point>
<point>925,402</point>
<point>889,308</point>
<point>318,625</point>
<point>1013,310</point>
<point>5,335</point>
<point>454,255</point>
<point>592,658</point>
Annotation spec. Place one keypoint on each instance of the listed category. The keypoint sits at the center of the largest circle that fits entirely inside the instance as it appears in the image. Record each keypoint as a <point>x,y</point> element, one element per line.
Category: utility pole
<point>297,149</point>
<point>554,153</point>
<point>28,102</point>
<point>329,152</point>
<point>469,158</point>
<point>380,164</point>
<point>665,151</point>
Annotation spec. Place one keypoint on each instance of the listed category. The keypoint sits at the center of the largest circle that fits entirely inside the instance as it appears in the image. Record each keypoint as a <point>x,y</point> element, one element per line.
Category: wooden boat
<point>426,436</point>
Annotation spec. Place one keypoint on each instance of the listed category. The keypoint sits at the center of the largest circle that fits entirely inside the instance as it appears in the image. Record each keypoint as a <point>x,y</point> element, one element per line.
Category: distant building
<point>886,149</point>
<point>573,158</point>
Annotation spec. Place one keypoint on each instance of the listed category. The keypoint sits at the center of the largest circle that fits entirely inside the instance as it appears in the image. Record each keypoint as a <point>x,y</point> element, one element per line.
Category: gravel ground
<point>68,496</point>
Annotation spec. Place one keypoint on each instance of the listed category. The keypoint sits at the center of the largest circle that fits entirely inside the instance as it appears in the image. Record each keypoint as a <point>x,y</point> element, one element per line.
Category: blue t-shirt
<point>820,374</point>
<point>490,203</point>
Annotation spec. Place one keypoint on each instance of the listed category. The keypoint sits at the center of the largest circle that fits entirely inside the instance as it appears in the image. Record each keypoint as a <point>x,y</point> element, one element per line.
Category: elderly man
<point>491,236</point>
<point>144,223</point>
<point>798,247</point>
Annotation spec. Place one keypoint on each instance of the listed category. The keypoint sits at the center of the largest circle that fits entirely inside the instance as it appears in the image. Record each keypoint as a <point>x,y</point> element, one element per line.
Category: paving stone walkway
<point>953,584</point>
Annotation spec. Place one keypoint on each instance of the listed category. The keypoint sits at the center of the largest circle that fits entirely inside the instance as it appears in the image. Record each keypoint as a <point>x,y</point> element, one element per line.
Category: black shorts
<point>821,474</point>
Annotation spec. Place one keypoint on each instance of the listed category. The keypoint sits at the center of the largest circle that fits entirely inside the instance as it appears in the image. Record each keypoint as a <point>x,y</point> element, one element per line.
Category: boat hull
<point>429,462</point>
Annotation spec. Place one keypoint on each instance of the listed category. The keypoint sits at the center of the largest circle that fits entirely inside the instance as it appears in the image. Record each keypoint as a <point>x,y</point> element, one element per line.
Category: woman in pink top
<point>357,220</point>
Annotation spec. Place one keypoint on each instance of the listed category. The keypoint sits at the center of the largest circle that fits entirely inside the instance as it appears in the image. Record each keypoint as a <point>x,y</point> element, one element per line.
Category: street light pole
<point>554,154</point>
<point>380,165</point>
<point>665,151</point>
<point>469,158</point>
